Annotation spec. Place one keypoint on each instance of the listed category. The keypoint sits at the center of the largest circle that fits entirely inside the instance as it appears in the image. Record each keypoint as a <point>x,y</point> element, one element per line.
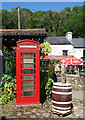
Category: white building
<point>79,47</point>
<point>66,45</point>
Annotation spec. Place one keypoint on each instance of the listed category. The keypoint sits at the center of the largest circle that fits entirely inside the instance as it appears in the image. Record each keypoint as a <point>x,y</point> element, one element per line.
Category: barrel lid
<point>62,84</point>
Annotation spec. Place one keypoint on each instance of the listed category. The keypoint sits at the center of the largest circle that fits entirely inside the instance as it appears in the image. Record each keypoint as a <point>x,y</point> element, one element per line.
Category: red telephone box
<point>28,72</point>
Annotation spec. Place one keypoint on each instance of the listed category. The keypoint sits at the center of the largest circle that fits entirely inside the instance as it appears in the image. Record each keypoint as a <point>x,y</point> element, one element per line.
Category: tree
<point>5,18</point>
<point>24,15</point>
<point>55,23</point>
<point>9,19</point>
<point>75,24</point>
<point>33,21</point>
<point>77,9</point>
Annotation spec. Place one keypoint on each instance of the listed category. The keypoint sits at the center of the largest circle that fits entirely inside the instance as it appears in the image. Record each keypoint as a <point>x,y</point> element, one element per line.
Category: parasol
<point>70,60</point>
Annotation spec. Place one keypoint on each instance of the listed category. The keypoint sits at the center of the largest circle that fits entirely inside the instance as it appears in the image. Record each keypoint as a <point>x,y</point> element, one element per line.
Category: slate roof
<point>23,31</point>
<point>59,40</point>
<point>78,42</point>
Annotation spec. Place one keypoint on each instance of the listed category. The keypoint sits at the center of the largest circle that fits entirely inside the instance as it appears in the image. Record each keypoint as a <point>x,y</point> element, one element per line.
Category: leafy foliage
<point>45,48</point>
<point>8,88</point>
<point>9,61</point>
<point>48,90</point>
<point>75,24</point>
<point>50,81</point>
<point>46,81</point>
<point>55,23</point>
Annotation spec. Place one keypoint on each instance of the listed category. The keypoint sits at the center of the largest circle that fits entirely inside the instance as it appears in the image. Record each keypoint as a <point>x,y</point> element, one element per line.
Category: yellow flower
<point>5,80</point>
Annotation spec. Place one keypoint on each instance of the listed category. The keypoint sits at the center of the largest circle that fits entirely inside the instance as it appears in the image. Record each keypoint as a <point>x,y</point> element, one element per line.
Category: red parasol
<point>69,60</point>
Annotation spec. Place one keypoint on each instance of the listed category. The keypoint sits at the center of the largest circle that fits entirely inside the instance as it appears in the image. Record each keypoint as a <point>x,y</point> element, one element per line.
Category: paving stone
<point>46,115</point>
<point>32,116</point>
<point>18,113</point>
<point>33,111</point>
<point>41,112</point>
<point>27,113</point>
<point>38,114</point>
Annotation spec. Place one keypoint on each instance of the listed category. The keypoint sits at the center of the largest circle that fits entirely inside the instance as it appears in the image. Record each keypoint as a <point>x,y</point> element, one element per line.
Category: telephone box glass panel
<point>26,88</point>
<point>27,54</point>
<point>28,71</point>
<point>28,66</point>
<point>28,82</point>
<point>26,60</point>
<point>28,93</point>
<point>28,77</point>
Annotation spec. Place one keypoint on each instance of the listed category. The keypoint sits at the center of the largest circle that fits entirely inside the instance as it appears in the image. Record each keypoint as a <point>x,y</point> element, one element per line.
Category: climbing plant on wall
<point>9,58</point>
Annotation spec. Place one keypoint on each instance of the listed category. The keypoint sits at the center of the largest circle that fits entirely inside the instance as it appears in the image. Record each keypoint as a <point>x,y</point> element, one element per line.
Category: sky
<point>42,6</point>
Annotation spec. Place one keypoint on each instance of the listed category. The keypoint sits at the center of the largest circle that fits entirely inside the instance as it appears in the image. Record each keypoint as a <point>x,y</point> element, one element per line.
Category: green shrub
<point>47,88</point>
<point>45,80</point>
<point>8,88</point>
<point>9,58</point>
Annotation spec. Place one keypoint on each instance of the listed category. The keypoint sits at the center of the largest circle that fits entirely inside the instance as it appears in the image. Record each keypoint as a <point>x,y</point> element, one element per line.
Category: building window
<point>65,52</point>
<point>83,53</point>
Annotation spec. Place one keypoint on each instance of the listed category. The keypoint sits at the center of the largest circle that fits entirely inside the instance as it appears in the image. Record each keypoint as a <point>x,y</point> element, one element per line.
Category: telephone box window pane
<point>28,82</point>
<point>21,65</point>
<point>34,87</point>
<point>28,77</point>
<point>34,65</point>
<point>21,87</point>
<point>28,60</point>
<point>28,71</point>
<point>26,88</point>
<point>34,54</point>
<point>28,55</point>
<point>21,71</point>
<point>21,82</point>
<point>34,71</point>
<point>21,76</point>
<point>21,54</point>
<point>34,60</point>
<point>34,82</point>
<point>21,93</point>
<point>28,65</point>
<point>34,76</point>
<point>21,60</point>
<point>28,93</point>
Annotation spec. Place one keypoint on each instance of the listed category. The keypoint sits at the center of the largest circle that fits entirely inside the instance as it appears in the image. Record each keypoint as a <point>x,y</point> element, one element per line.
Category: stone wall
<point>78,83</point>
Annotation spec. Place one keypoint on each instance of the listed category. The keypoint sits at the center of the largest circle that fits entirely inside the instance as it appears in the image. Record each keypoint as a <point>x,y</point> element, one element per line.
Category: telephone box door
<point>28,88</point>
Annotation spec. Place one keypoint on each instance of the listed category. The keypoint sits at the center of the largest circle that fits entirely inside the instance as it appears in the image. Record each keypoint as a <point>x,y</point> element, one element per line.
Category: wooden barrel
<point>61,97</point>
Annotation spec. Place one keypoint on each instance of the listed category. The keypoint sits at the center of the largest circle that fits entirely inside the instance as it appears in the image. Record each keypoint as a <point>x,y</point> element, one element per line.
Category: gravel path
<point>79,95</point>
<point>43,111</point>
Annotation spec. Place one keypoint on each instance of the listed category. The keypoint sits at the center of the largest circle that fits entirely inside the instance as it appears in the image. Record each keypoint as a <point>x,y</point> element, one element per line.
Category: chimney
<point>69,36</point>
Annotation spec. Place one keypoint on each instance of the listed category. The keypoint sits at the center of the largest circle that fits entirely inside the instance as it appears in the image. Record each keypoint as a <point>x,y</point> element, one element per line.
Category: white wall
<point>78,52</point>
<point>57,50</point>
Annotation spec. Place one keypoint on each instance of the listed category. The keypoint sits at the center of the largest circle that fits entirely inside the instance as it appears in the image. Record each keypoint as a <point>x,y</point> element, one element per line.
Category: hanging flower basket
<point>45,48</point>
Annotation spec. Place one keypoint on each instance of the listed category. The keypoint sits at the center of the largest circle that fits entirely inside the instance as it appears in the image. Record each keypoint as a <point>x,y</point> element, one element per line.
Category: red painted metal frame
<point>24,100</point>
